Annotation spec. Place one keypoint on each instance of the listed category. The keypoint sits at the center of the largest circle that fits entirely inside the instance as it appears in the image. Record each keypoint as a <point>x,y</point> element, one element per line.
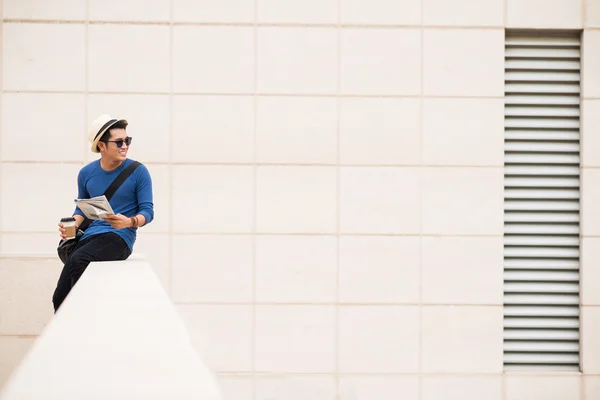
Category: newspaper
<point>95,208</point>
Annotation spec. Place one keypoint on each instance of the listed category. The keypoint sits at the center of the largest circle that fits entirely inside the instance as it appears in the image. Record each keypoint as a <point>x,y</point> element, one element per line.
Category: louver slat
<point>541,202</point>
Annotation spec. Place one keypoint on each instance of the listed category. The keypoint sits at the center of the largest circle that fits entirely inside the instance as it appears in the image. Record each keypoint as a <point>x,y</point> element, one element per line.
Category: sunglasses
<point>120,142</point>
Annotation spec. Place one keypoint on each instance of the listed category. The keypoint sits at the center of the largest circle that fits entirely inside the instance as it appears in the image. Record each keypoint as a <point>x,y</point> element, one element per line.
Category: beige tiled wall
<point>328,181</point>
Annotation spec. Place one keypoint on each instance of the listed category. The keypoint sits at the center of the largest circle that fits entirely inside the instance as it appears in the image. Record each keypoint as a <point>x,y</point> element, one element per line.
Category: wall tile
<point>27,285</point>
<point>13,350</point>
<point>462,339</point>
<point>229,11</point>
<point>296,130</point>
<point>590,202</point>
<point>289,387</point>
<point>297,11</point>
<point>297,60</point>
<point>378,339</point>
<point>295,339</point>
<point>130,10</point>
<point>149,122</point>
<point>462,270</point>
<point>27,242</point>
<point>212,268</point>
<point>462,201</point>
<point>296,199</point>
<point>591,387</point>
<point>380,200</point>
<point>545,387</point>
<point>296,269</point>
<point>380,12</point>
<point>592,14</point>
<point>463,13</point>
<point>221,334</point>
<point>463,62</point>
<point>463,132</point>
<point>462,388</point>
<point>379,387</point>
<point>236,388</point>
<point>590,271</point>
<point>33,56</point>
<point>380,61</point>
<point>218,129</point>
<point>41,10</point>
<point>557,14</point>
<point>380,131</point>
<point>590,74</point>
<point>213,59</point>
<point>220,198</point>
<point>89,156</point>
<point>157,249</point>
<point>129,58</point>
<point>55,134</point>
<point>590,142</point>
<point>18,202</point>
<point>379,269</point>
<point>590,343</point>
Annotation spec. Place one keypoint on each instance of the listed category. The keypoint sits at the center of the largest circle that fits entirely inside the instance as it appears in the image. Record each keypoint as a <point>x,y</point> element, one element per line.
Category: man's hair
<point>106,135</point>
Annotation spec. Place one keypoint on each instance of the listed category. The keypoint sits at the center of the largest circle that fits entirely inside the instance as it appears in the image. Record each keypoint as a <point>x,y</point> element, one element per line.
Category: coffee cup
<point>70,228</point>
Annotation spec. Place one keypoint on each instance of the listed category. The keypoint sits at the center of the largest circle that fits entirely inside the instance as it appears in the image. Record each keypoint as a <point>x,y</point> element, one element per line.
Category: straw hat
<point>98,127</point>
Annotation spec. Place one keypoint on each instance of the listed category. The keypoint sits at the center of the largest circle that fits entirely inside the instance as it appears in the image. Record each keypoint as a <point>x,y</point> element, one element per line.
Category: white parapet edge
<point>116,336</point>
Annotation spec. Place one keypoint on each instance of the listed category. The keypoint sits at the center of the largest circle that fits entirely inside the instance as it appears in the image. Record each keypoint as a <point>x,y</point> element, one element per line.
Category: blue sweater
<point>133,197</point>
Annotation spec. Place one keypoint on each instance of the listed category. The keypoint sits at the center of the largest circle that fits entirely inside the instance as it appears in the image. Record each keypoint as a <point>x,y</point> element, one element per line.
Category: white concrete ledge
<point>116,336</point>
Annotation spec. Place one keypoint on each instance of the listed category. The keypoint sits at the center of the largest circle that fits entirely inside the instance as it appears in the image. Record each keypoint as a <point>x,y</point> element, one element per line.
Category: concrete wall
<point>328,180</point>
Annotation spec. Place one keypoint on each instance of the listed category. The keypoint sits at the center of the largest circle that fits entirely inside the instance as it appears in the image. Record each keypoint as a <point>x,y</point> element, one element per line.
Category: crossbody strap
<point>120,179</point>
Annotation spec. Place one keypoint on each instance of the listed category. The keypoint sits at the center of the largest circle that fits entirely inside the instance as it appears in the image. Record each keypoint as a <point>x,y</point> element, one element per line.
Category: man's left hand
<point>118,221</point>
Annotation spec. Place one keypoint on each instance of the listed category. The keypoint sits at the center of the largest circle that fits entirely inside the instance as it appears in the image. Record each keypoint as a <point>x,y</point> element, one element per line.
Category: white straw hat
<point>98,127</point>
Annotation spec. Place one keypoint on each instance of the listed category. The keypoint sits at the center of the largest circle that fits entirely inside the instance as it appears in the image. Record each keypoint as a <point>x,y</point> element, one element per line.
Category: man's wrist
<point>134,222</point>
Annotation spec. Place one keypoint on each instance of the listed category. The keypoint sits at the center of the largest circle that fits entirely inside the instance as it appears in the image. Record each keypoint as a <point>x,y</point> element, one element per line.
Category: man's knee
<point>77,264</point>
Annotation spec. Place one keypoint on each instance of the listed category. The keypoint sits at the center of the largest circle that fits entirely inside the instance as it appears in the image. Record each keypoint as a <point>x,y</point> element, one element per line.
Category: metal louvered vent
<point>541,202</point>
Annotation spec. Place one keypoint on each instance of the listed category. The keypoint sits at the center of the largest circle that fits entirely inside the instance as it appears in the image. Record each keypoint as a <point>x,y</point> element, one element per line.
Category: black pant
<point>101,247</point>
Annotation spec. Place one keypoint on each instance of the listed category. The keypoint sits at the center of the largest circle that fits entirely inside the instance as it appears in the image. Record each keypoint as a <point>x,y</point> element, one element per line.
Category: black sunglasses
<point>120,142</point>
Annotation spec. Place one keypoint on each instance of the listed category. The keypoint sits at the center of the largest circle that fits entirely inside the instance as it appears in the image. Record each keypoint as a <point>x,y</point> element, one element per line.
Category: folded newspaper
<point>95,208</point>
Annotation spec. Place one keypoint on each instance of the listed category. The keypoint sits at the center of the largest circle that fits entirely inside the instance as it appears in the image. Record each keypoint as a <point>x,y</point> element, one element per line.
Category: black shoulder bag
<point>65,247</point>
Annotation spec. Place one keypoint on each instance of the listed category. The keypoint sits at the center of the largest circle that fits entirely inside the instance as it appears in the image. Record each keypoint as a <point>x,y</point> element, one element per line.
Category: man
<point>113,238</point>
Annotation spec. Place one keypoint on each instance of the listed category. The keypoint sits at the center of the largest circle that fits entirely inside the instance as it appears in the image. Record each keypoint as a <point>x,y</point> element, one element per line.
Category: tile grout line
<point>231,373</point>
<point>583,5</point>
<point>337,313</point>
<point>249,24</point>
<point>1,113</point>
<point>86,88</point>
<point>264,94</point>
<point>170,163</point>
<point>175,233</point>
<point>255,195</point>
<point>420,300</point>
<point>247,164</point>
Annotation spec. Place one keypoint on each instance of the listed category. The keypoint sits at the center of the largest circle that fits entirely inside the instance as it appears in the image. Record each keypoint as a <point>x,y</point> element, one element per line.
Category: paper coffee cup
<point>69,225</point>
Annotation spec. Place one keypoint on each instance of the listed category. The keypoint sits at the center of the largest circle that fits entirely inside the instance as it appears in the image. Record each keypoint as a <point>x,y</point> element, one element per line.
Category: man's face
<point>111,150</point>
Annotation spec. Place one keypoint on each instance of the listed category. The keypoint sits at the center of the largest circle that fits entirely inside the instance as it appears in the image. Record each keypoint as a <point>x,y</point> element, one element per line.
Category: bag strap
<point>113,188</point>
<point>120,179</point>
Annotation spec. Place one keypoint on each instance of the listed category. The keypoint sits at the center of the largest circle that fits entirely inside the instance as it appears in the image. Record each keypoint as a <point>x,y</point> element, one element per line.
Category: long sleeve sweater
<point>133,197</point>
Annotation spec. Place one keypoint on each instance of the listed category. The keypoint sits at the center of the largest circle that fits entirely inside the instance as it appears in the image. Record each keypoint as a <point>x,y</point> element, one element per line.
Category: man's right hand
<point>62,231</point>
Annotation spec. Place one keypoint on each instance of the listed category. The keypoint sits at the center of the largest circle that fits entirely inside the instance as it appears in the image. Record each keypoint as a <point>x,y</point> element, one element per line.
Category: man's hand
<point>118,221</point>
<point>62,231</point>
<point>61,228</point>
